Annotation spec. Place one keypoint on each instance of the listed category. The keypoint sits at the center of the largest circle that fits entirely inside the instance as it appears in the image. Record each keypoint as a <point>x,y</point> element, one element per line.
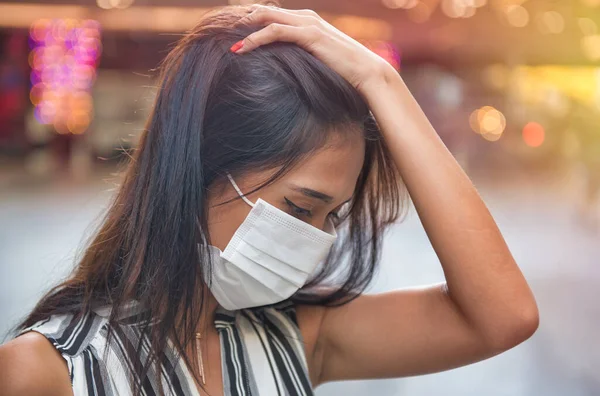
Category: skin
<point>485,306</point>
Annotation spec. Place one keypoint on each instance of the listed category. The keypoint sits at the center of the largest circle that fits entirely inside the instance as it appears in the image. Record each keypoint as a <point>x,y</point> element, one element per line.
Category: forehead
<point>333,169</point>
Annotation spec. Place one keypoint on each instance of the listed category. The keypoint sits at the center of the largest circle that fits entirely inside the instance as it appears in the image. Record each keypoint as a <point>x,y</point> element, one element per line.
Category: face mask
<point>269,258</point>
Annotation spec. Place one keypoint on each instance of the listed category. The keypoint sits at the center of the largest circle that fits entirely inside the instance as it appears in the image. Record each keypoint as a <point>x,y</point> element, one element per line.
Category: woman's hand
<point>353,61</point>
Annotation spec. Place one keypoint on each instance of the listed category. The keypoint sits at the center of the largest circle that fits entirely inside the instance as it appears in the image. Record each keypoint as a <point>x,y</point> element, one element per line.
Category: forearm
<point>482,277</point>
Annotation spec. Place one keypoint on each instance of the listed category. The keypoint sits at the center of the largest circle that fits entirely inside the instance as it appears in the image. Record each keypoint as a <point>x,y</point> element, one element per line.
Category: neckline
<point>133,309</point>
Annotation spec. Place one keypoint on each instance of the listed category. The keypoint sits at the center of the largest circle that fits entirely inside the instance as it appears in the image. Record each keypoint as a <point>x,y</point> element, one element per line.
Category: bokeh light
<point>386,50</point>
<point>590,45</point>
<point>533,134</point>
<point>488,122</point>
<point>517,15</point>
<point>587,26</point>
<point>63,64</point>
<point>108,4</point>
<point>395,4</point>
<point>550,22</point>
<point>591,3</point>
<point>458,8</point>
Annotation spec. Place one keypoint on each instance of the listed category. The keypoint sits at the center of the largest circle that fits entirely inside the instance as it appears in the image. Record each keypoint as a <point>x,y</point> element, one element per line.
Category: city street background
<point>511,86</point>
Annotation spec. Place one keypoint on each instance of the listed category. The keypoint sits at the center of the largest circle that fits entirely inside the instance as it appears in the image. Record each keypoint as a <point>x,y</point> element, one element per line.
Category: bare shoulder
<point>30,365</point>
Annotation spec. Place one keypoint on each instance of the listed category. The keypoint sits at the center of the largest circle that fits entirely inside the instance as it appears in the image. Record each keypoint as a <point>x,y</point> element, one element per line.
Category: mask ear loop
<point>237,189</point>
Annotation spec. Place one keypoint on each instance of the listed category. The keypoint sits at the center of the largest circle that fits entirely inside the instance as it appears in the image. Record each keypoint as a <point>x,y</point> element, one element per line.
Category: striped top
<point>261,348</point>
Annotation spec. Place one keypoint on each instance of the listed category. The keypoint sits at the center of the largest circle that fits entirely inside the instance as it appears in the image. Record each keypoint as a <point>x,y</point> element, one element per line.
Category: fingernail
<point>235,47</point>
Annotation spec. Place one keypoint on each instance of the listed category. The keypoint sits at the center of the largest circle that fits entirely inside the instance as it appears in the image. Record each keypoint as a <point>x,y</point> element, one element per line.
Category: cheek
<point>322,223</point>
<point>223,222</point>
<point>225,219</point>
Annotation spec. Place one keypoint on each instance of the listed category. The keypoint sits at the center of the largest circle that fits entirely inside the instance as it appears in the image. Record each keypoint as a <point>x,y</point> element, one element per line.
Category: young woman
<point>234,255</point>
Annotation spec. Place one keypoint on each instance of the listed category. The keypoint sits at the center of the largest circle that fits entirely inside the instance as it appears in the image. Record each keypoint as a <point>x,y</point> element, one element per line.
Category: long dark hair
<point>218,112</point>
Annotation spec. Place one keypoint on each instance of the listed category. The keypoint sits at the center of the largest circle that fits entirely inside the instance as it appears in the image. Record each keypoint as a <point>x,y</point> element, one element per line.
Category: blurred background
<point>512,87</point>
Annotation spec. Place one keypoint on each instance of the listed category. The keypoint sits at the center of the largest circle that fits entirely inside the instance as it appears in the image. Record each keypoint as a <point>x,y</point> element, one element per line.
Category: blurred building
<point>508,84</point>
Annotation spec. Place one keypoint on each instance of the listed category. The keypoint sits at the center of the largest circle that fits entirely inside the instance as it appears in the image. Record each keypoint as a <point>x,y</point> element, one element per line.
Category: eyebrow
<point>313,194</point>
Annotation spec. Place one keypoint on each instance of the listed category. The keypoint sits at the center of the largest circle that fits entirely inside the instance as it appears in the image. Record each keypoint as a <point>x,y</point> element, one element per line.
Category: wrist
<point>384,78</point>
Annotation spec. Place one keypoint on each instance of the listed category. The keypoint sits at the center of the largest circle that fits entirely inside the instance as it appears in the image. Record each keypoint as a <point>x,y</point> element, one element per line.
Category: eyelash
<point>298,211</point>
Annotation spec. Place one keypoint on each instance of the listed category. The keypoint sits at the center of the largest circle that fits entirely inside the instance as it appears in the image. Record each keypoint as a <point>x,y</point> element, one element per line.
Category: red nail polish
<point>235,47</point>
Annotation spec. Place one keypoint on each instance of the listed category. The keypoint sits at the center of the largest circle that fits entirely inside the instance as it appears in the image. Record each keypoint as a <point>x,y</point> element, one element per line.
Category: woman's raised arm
<point>485,307</point>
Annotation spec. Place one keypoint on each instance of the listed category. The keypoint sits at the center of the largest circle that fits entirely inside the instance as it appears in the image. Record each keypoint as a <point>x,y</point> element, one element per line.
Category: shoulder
<point>70,334</point>
<point>41,357</point>
<point>31,365</point>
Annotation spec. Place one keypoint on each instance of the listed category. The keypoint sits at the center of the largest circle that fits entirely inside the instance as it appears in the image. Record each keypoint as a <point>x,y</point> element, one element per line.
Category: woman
<point>233,257</point>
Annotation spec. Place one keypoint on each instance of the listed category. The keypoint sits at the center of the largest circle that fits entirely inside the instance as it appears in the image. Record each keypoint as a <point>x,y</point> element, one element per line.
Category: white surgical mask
<point>269,258</point>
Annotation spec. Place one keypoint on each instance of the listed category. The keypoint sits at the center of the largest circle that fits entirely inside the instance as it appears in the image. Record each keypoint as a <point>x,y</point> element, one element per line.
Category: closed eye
<point>297,210</point>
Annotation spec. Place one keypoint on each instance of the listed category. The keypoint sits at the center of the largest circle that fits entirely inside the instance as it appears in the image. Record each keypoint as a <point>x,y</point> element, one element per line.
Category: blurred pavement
<point>43,224</point>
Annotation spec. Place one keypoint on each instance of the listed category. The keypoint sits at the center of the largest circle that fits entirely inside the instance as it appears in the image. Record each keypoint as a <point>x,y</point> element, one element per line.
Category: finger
<point>263,15</point>
<point>306,12</point>
<point>303,12</point>
<point>303,36</point>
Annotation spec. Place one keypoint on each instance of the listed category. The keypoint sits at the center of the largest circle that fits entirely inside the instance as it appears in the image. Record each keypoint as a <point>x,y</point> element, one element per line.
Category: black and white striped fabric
<point>261,348</point>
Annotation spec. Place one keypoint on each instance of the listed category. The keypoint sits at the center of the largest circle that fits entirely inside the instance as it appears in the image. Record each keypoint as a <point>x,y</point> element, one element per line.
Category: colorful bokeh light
<point>533,134</point>
<point>386,50</point>
<point>63,60</point>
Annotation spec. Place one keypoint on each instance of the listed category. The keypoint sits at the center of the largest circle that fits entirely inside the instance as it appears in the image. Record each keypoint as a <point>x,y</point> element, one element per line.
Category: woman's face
<point>312,191</point>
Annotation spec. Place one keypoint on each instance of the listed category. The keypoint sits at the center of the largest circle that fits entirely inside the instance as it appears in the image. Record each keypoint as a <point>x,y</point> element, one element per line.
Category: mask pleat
<point>229,278</point>
<point>263,275</point>
<point>298,251</point>
<point>274,265</point>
